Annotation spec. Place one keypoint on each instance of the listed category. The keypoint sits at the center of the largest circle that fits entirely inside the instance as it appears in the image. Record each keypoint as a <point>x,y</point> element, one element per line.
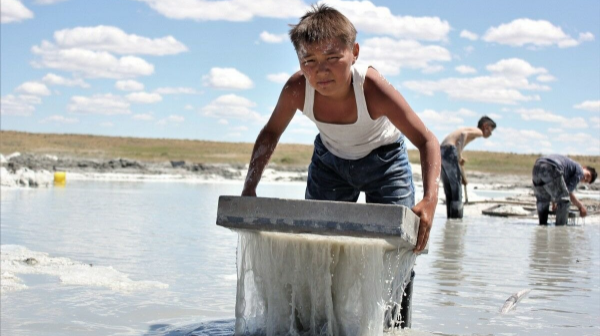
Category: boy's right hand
<point>582,211</point>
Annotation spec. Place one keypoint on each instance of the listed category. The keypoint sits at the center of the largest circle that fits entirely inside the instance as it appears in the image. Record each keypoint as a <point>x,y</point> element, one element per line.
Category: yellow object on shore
<point>60,177</point>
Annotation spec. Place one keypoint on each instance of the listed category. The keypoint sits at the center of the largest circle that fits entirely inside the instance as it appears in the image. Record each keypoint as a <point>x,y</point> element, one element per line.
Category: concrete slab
<point>392,222</point>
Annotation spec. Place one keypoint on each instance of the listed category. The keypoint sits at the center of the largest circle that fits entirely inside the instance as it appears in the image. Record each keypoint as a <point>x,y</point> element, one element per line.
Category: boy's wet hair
<point>322,23</point>
<point>593,172</point>
<point>486,120</point>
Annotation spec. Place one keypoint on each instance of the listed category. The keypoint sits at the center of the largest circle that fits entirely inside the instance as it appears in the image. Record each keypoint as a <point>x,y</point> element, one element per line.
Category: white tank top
<point>353,141</point>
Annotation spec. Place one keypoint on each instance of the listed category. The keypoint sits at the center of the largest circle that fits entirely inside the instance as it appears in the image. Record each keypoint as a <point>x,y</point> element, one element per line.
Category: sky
<point>213,70</point>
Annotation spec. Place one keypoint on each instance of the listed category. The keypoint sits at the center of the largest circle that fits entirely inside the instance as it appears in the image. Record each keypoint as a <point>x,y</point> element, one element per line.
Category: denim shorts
<point>384,175</point>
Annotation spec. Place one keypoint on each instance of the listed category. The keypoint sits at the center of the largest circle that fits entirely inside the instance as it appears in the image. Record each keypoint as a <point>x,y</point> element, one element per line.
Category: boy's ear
<point>355,52</point>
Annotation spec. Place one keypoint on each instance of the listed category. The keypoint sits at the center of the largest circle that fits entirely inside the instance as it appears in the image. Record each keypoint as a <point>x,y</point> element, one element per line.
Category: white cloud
<point>279,78</point>
<point>520,141</point>
<point>239,129</point>
<point>188,107</point>
<point>584,37</point>
<point>589,105</point>
<point>223,122</point>
<point>13,11</point>
<point>48,2</point>
<point>514,67</point>
<point>227,78</point>
<point>494,116</point>
<point>172,119</point>
<point>175,90</point>
<point>431,117</point>
<point>502,87</point>
<point>555,130</point>
<point>369,18</point>
<point>595,121</point>
<point>59,120</point>
<point>546,78</point>
<point>106,104</point>
<point>90,63</point>
<point>30,99</point>
<point>53,79</point>
<point>539,33</point>
<point>232,106</point>
<point>114,40</point>
<point>21,106</point>
<point>33,88</point>
<point>227,10</point>
<point>483,89</point>
<point>584,143</point>
<point>469,35</point>
<point>469,49</point>
<point>366,16</point>
<point>546,116</point>
<point>265,36</point>
<point>407,54</point>
<point>107,124</point>
<point>144,97</point>
<point>129,85</point>
<point>143,117</point>
<point>464,69</point>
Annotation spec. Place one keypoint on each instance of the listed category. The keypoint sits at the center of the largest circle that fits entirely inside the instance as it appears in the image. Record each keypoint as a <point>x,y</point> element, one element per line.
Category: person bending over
<point>555,178</point>
<point>453,173</point>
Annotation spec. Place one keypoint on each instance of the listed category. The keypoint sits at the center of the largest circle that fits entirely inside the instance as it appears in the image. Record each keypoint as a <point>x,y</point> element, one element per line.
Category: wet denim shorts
<point>384,175</point>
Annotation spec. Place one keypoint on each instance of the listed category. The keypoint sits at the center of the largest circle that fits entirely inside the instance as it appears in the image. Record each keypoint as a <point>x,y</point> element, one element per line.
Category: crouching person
<point>555,178</point>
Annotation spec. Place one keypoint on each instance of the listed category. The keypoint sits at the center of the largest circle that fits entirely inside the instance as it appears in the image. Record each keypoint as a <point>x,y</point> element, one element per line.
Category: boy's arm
<point>578,204</point>
<point>383,100</point>
<point>290,100</point>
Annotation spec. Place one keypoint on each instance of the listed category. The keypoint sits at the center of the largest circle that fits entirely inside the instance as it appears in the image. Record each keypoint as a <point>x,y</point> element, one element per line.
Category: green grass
<point>198,151</point>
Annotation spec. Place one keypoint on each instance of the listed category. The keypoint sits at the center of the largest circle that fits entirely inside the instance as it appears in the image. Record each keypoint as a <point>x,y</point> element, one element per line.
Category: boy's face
<point>326,66</point>
<point>587,176</point>
<point>487,130</point>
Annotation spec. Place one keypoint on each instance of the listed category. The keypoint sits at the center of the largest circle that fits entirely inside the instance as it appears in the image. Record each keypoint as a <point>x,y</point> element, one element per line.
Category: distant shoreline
<point>199,153</point>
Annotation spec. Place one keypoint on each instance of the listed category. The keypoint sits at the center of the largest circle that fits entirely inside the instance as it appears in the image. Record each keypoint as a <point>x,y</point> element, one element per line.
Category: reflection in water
<point>448,267</point>
<point>551,255</point>
<point>210,328</point>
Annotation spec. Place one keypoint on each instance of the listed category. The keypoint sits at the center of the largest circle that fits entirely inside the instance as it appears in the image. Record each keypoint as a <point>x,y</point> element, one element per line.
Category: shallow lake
<point>158,265</point>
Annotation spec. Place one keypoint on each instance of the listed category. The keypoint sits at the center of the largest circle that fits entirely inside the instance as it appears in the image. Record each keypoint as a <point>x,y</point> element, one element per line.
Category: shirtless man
<point>453,174</point>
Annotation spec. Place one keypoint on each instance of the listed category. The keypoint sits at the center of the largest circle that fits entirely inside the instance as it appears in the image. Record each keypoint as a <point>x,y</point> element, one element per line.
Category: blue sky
<point>213,70</point>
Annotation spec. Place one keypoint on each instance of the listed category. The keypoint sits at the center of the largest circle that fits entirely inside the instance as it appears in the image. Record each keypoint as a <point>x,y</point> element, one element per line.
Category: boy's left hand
<point>425,210</point>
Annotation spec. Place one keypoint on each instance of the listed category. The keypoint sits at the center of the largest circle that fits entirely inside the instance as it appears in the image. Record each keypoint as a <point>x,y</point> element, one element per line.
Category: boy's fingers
<point>422,239</point>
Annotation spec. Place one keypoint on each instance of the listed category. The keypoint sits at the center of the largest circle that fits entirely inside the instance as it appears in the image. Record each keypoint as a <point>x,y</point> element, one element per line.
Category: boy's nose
<point>322,66</point>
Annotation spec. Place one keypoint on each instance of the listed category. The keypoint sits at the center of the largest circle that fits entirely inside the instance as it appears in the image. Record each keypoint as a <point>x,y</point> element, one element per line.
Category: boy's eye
<point>307,62</point>
<point>333,58</point>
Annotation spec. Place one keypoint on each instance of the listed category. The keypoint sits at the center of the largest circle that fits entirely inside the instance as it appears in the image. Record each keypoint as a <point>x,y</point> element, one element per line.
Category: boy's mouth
<point>325,82</point>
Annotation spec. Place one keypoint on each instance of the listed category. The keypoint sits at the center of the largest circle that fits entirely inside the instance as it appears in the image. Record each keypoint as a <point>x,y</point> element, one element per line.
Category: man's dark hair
<point>486,120</point>
<point>322,23</point>
<point>593,172</point>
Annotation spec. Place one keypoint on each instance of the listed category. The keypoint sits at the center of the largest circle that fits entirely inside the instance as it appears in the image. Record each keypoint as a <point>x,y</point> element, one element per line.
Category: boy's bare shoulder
<point>294,89</point>
<point>374,82</point>
<point>378,92</point>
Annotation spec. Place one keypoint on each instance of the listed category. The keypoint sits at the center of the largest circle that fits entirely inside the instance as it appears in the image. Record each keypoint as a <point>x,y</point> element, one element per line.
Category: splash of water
<point>301,284</point>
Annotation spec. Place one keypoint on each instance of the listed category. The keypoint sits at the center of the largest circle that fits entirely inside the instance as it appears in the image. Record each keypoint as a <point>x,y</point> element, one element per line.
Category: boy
<point>453,174</point>
<point>361,120</point>
<point>555,178</point>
